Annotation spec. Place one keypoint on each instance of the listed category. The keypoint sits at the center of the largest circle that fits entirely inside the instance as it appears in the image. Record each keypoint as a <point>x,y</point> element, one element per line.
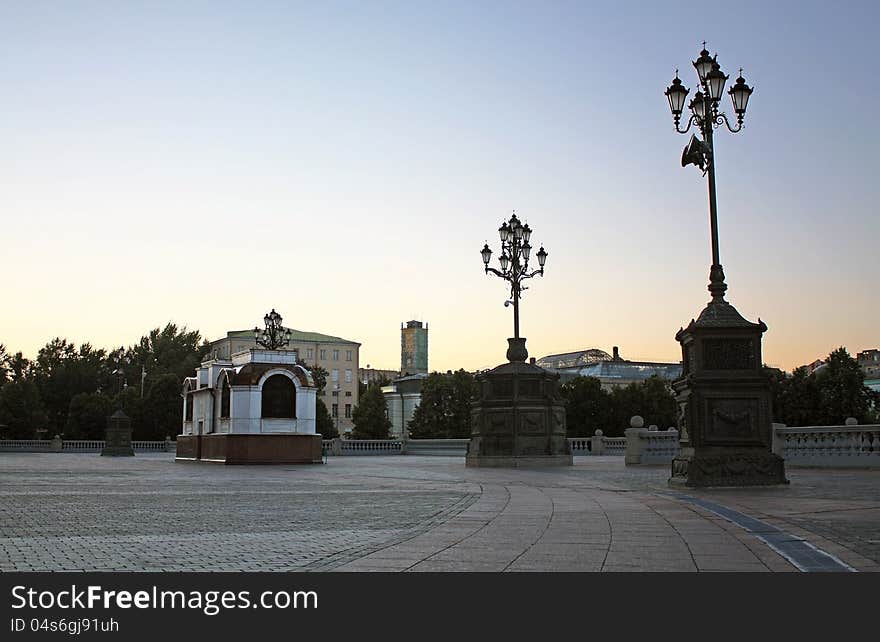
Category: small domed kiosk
<point>256,408</point>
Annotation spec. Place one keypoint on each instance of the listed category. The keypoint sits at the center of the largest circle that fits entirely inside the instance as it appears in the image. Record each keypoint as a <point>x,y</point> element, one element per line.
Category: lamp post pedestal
<point>519,419</point>
<point>725,416</point>
<point>117,437</point>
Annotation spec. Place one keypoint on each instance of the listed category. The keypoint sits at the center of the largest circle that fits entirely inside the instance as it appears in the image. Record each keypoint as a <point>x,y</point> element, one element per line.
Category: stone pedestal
<point>117,438</point>
<point>519,419</point>
<point>724,404</point>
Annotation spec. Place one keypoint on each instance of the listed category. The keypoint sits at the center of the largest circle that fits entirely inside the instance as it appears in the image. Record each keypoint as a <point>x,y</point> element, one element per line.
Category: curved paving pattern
<point>84,512</point>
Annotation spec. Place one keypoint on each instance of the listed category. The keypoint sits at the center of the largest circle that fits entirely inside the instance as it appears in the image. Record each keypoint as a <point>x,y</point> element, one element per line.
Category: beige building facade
<point>339,357</point>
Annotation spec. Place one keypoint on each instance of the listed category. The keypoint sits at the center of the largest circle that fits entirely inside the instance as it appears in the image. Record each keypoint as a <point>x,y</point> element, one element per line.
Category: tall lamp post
<point>274,335</point>
<point>514,262</point>
<point>706,117</point>
<point>725,411</point>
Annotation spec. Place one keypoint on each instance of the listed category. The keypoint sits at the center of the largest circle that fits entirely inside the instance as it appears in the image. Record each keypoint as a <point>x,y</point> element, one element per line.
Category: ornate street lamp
<point>724,401</point>
<point>514,262</point>
<point>274,336</point>
<point>706,117</point>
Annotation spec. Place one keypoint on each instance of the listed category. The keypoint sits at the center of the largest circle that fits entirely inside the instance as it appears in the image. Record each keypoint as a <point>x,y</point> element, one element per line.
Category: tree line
<point>70,390</point>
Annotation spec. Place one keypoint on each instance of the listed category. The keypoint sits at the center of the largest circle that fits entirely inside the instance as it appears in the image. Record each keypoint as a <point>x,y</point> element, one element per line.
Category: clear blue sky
<point>202,162</point>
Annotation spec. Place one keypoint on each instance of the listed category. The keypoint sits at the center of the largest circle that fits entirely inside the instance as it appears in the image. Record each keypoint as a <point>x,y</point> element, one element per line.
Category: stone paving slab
<point>416,514</point>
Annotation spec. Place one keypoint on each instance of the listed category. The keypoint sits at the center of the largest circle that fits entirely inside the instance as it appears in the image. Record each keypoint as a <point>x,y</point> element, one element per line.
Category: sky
<point>343,163</point>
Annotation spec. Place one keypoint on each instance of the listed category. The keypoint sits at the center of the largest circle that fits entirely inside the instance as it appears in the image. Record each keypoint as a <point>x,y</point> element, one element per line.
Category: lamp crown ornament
<point>273,336</point>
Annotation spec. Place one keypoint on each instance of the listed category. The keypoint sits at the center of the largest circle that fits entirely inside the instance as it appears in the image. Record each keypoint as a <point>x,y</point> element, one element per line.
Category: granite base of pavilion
<point>519,419</point>
<point>277,448</point>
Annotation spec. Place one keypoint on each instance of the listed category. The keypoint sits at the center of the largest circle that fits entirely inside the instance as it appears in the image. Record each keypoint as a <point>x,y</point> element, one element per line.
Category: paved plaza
<point>83,512</point>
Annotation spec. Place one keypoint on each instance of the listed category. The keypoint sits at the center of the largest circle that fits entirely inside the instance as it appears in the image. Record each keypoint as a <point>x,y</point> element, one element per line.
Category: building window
<point>310,353</point>
<point>348,393</point>
<point>335,393</point>
<point>224,399</point>
<point>336,355</point>
<point>279,398</point>
<point>334,410</point>
<point>348,355</point>
<point>334,376</point>
<point>189,406</point>
<point>348,410</point>
<point>348,376</point>
<point>323,355</point>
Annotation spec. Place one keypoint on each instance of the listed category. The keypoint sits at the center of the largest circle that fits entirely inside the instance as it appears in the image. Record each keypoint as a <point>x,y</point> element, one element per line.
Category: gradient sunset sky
<point>203,162</point>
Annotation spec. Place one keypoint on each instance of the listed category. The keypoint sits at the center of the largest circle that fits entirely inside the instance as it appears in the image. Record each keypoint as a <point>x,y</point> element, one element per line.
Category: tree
<point>824,397</point>
<point>369,416</point>
<point>324,425</point>
<point>380,381</point>
<point>842,390</point>
<point>163,410</point>
<point>19,368</point>
<point>587,406</point>
<point>61,371</point>
<point>444,411</point>
<point>21,410</point>
<point>87,416</point>
<point>171,350</point>
<point>319,375</point>
<point>4,364</point>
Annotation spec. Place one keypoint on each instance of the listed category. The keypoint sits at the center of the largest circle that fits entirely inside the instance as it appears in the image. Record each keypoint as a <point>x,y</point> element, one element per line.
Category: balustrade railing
<point>78,445</point>
<point>26,445</point>
<point>828,446</point>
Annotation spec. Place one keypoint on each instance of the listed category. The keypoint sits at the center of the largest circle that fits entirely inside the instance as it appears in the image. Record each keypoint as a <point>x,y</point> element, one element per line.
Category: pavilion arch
<point>278,394</point>
<point>189,385</point>
<point>224,384</point>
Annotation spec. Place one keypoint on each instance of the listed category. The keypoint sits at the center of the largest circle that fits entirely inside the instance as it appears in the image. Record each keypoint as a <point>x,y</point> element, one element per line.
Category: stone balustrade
<point>580,445</point>
<point>77,445</point>
<point>847,446</point>
<point>368,446</point>
<point>649,445</point>
<point>26,445</point>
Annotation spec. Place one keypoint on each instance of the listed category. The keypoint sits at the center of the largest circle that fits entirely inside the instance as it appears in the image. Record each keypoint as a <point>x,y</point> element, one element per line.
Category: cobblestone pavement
<point>148,513</point>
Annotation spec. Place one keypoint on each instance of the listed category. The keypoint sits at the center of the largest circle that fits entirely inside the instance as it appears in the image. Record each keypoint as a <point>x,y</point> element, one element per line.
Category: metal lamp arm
<point>692,120</point>
<point>721,118</point>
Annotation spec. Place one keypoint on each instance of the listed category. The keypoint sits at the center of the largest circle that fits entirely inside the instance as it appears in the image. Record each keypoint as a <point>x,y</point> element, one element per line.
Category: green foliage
<point>87,416</point>
<point>588,407</point>
<point>825,397</point>
<point>324,424</point>
<point>61,371</point>
<point>444,411</point>
<point>369,416</point>
<point>21,410</point>
<point>4,365</point>
<point>163,409</point>
<point>381,381</point>
<point>171,350</point>
<point>319,375</point>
